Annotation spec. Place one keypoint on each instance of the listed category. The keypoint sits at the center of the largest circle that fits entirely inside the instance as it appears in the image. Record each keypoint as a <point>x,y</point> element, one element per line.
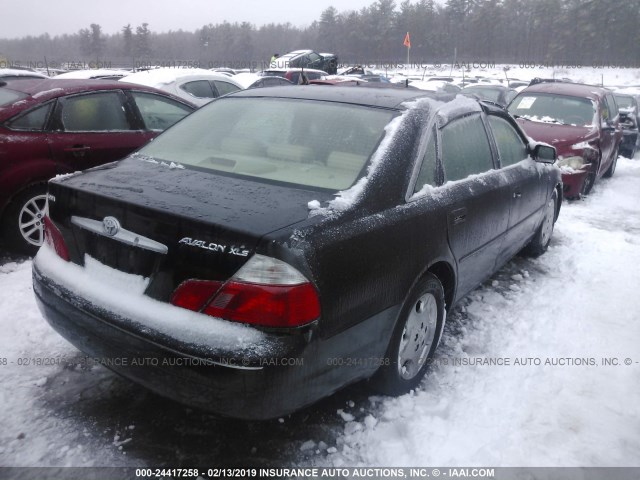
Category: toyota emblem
<point>111,226</point>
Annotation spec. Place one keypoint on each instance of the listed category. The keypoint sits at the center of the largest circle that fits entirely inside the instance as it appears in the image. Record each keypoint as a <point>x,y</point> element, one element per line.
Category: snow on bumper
<point>117,299</point>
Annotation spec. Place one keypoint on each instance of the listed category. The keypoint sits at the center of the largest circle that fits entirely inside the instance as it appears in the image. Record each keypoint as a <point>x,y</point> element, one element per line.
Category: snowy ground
<point>578,301</point>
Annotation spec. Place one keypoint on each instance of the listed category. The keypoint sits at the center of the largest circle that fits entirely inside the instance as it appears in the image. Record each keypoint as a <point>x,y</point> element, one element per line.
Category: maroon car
<point>581,121</point>
<point>51,127</point>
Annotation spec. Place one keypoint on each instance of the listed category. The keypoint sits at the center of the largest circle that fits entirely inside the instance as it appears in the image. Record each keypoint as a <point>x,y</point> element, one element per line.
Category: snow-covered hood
<point>562,137</point>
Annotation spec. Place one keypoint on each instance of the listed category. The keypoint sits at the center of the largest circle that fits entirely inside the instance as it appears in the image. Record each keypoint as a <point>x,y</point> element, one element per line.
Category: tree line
<point>565,32</point>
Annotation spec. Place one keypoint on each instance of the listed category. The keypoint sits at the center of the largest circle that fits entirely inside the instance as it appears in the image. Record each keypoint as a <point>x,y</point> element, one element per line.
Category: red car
<point>51,127</point>
<point>581,121</point>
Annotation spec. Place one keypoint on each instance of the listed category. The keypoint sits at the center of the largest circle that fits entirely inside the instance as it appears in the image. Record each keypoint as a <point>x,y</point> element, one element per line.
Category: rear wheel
<point>540,241</point>
<point>24,220</point>
<point>414,340</point>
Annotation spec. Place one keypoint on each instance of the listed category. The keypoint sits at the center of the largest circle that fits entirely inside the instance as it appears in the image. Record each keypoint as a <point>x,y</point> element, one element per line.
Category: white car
<point>435,86</point>
<point>253,80</point>
<point>15,73</point>
<point>196,85</point>
<point>93,74</point>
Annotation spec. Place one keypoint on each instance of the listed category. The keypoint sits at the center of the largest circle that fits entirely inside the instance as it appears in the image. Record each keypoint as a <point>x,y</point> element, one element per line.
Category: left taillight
<point>53,238</point>
<point>265,291</point>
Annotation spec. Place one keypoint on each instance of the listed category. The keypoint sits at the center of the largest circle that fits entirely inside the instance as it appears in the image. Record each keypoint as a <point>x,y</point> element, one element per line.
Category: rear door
<point>156,112</point>
<point>92,129</point>
<point>476,196</point>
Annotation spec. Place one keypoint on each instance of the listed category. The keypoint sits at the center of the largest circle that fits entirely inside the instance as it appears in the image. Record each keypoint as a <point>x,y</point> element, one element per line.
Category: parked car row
<point>581,121</point>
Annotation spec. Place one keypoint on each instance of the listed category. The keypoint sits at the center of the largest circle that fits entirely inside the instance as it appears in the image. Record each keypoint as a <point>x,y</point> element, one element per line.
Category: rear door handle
<point>77,148</point>
<point>517,194</point>
<point>458,216</point>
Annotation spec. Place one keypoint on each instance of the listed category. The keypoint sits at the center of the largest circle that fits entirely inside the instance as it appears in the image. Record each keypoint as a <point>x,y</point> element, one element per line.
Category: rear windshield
<point>553,108</point>
<point>8,96</point>
<point>492,94</point>
<point>302,142</point>
<point>623,101</point>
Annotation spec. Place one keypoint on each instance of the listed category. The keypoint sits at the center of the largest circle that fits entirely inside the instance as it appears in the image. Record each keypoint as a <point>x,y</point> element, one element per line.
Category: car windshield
<point>8,96</point>
<point>303,142</point>
<point>623,101</point>
<point>553,108</point>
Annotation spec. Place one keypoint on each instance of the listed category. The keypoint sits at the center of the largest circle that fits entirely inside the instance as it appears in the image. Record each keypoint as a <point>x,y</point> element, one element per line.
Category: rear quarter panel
<point>24,160</point>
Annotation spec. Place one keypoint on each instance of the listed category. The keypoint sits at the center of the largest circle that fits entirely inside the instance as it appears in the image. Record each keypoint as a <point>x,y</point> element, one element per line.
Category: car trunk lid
<point>169,224</point>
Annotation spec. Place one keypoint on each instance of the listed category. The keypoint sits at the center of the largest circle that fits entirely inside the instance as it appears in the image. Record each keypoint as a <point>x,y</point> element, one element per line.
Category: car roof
<point>18,72</point>
<point>158,77</point>
<point>571,89</point>
<point>476,86</point>
<point>294,69</point>
<point>92,74</point>
<point>358,94</point>
<point>39,91</point>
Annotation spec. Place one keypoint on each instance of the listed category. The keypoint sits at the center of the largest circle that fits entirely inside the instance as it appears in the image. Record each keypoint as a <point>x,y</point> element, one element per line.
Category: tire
<point>414,339</point>
<point>609,173</point>
<point>540,241</point>
<point>26,208</point>
<point>588,183</point>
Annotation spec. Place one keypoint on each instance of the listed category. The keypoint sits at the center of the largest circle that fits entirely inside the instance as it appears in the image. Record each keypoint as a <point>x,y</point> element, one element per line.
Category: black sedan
<point>281,243</point>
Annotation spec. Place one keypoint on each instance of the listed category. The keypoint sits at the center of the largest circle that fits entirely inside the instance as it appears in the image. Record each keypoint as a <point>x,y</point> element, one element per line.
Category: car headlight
<point>575,162</point>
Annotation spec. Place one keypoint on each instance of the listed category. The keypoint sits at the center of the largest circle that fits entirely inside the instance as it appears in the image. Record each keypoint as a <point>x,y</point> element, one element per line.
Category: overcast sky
<point>34,17</point>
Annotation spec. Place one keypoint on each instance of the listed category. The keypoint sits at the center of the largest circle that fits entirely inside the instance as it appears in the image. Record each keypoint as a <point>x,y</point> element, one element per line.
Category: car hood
<point>563,137</point>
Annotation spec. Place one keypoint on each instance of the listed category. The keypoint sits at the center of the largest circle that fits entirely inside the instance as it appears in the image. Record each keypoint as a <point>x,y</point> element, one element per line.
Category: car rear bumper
<point>250,382</point>
<point>572,183</point>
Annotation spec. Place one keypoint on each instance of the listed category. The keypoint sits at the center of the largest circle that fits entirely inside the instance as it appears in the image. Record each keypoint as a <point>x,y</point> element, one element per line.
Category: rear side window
<point>225,87</point>
<point>8,96</point>
<point>427,174</point>
<point>613,106</point>
<point>199,89</point>
<point>159,113</point>
<point>34,120</point>
<point>465,148</point>
<point>510,146</point>
<point>94,112</point>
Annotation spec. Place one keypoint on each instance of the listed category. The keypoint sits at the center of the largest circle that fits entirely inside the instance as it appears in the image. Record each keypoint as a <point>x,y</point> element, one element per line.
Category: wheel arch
<point>559,198</point>
<point>16,193</point>
<point>445,273</point>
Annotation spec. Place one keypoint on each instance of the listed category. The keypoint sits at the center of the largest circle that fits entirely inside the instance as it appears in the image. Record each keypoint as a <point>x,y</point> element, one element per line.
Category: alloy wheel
<point>31,220</point>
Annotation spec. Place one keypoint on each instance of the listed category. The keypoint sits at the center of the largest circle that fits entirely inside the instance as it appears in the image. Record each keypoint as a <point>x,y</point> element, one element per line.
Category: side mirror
<point>544,154</point>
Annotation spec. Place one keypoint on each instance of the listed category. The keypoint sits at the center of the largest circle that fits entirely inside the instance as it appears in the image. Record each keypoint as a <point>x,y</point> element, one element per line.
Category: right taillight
<point>265,291</point>
<point>53,238</point>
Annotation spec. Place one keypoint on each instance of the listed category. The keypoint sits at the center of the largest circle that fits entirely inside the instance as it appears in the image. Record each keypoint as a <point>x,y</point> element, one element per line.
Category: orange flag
<point>407,41</point>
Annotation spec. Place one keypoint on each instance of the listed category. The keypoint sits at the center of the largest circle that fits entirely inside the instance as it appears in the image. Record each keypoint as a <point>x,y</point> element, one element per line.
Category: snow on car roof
<point>14,72</point>
<point>163,76</point>
<point>246,79</point>
<point>88,74</point>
